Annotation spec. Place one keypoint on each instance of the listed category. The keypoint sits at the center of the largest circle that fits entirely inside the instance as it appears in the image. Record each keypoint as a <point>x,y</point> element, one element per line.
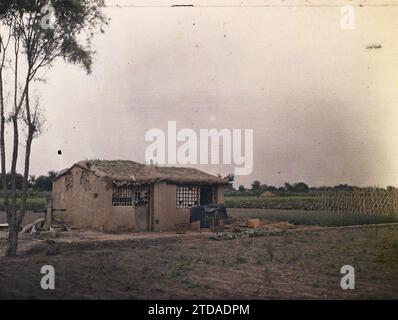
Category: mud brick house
<point>129,196</point>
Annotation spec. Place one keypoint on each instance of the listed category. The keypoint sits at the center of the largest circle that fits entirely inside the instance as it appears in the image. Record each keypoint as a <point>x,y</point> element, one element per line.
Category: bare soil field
<point>289,264</point>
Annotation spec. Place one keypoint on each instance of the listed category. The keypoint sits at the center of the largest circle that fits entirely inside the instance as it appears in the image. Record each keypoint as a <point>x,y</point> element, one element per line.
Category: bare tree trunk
<point>14,227</point>
<point>12,241</point>
<point>3,49</point>
<point>26,176</point>
<point>29,139</point>
<point>18,218</point>
<point>3,151</point>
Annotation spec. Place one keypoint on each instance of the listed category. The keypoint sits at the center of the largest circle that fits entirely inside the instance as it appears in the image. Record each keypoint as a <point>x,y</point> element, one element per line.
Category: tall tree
<point>40,34</point>
<point>43,182</point>
<point>5,37</point>
<point>256,185</point>
<point>256,188</point>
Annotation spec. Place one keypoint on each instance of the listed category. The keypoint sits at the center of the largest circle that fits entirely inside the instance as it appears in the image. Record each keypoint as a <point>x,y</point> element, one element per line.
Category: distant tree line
<point>40,183</point>
<point>258,188</point>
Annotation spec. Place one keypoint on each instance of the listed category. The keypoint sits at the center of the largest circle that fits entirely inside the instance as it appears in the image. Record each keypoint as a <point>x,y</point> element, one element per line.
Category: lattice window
<point>126,196</point>
<point>122,196</point>
<point>187,196</point>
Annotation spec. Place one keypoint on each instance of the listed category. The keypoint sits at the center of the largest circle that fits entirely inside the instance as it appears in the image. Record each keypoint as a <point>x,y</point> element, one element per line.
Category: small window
<point>141,198</point>
<point>187,196</point>
<point>122,196</point>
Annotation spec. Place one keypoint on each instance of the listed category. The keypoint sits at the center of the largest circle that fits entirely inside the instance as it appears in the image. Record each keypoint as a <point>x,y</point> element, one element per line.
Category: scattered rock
<point>237,235</point>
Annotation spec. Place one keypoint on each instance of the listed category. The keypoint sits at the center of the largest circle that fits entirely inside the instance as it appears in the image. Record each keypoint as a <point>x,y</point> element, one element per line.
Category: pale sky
<point>323,107</point>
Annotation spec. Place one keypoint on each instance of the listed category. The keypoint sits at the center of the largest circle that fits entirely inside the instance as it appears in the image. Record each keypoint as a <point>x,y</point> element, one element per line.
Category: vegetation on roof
<point>126,171</point>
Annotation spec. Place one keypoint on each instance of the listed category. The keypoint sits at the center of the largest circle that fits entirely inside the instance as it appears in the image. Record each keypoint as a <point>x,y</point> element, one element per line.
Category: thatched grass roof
<point>130,172</point>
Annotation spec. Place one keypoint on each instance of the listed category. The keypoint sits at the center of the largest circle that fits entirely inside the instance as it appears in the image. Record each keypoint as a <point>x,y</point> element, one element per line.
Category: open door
<point>206,195</point>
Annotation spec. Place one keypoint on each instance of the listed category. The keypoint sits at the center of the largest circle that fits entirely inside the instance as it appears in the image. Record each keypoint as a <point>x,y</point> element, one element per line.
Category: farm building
<point>129,196</point>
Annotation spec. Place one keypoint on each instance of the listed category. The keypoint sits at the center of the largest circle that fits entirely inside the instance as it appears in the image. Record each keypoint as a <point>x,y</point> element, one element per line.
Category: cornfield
<point>365,205</point>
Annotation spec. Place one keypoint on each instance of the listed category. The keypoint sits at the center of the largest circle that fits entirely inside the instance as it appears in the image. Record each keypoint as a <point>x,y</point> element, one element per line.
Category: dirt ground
<point>30,216</point>
<point>288,264</point>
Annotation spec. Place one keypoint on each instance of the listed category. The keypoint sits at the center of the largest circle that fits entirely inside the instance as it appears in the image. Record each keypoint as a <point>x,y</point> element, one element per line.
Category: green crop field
<point>299,202</point>
<point>32,203</point>
<point>330,209</point>
<point>306,217</point>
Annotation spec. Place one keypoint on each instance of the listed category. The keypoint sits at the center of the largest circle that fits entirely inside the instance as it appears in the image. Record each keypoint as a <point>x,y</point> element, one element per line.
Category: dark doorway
<point>206,195</point>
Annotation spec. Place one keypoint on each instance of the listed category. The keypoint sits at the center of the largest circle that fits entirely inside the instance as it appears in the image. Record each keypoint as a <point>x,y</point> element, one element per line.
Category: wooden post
<point>47,223</point>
